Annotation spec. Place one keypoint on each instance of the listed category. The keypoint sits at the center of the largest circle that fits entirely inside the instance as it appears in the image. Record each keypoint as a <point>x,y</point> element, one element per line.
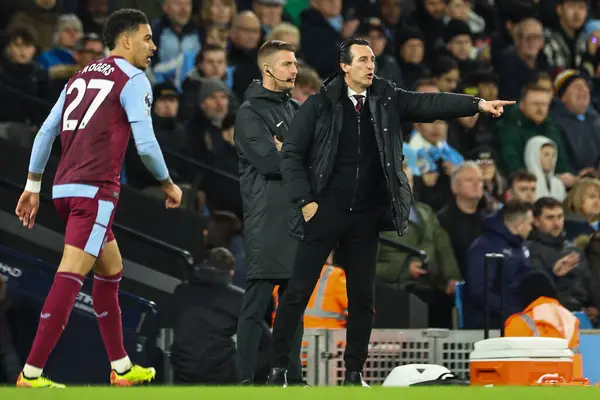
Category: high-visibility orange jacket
<point>328,304</point>
<point>545,317</point>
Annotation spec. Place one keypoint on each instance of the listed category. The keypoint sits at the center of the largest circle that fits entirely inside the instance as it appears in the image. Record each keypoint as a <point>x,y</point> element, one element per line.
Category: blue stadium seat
<point>584,321</point>
<point>458,302</point>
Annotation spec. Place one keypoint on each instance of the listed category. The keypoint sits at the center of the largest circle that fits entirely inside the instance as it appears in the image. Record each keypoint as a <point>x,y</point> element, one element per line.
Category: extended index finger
<point>505,102</point>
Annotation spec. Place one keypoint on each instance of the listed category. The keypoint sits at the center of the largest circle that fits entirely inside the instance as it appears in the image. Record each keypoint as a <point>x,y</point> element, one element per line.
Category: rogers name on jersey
<point>103,68</point>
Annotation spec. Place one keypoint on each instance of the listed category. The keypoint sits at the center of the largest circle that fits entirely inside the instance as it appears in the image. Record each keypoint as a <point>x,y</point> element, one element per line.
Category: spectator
<point>429,18</point>
<point>177,40</point>
<point>391,15</point>
<point>243,51</point>
<point>459,44</point>
<point>544,80</point>
<point>285,32</point>
<point>18,71</point>
<point>521,63</point>
<point>565,45</point>
<point>445,73</point>
<point>307,83</point>
<point>386,66</point>
<point>529,119</point>
<point>510,13</point>
<point>94,16</point>
<point>540,159</point>
<point>462,218</point>
<point>269,12</point>
<point>10,365</point>
<point>206,313</point>
<point>521,186</point>
<point>582,207</point>
<point>219,12</point>
<point>410,46</point>
<point>60,61</point>
<point>505,235</point>
<point>564,264</point>
<point>41,17</point>
<point>578,121</point>
<point>321,34</point>
<point>434,283</point>
<point>487,84</point>
<point>462,10</point>
<point>216,35</point>
<point>494,183</point>
<point>224,229</point>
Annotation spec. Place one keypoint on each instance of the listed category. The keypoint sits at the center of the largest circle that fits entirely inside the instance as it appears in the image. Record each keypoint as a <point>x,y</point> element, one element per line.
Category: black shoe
<point>277,377</point>
<point>355,379</point>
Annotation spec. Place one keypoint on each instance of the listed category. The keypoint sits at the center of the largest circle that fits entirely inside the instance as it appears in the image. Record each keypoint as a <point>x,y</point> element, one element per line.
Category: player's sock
<point>31,372</point>
<point>105,297</point>
<point>53,318</point>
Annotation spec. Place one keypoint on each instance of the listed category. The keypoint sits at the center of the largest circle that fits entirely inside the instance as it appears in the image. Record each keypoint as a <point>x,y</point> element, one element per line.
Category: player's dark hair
<point>545,202</point>
<point>125,20</point>
<point>206,49</point>
<point>344,53</point>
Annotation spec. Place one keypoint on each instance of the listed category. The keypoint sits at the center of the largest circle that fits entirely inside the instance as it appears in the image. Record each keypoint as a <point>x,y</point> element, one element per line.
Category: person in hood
<point>540,159</point>
<point>504,235</point>
<point>260,127</point>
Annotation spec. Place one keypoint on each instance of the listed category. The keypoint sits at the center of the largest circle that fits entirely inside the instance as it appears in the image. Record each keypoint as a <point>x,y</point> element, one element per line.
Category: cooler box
<point>515,361</point>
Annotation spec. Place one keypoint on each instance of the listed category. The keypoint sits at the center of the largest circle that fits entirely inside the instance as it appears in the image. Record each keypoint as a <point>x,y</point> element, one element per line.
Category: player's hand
<point>27,208</point>
<point>309,211</point>
<point>495,108</point>
<point>172,196</point>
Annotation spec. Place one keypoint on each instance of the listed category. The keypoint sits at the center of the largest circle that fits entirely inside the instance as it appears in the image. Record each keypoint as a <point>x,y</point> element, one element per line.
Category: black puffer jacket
<point>310,147</point>
<point>269,247</point>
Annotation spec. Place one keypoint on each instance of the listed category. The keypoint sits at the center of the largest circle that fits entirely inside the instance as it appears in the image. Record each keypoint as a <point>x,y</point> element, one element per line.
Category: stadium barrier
<point>323,352</point>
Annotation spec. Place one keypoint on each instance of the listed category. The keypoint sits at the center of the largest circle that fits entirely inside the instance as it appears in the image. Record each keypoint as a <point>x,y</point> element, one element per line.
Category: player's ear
<point>126,41</point>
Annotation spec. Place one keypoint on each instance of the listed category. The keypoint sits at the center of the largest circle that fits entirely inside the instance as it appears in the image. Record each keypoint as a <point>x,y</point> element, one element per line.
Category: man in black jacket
<point>261,123</point>
<point>342,163</point>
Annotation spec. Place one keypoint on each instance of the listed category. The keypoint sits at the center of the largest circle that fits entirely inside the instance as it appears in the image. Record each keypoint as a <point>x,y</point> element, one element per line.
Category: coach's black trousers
<point>259,294</point>
<point>357,234</point>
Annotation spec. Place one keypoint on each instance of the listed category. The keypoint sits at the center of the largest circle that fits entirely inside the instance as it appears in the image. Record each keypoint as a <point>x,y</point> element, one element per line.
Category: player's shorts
<point>88,212</point>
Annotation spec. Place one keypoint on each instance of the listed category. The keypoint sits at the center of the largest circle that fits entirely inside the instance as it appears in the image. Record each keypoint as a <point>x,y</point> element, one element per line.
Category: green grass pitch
<point>316,393</point>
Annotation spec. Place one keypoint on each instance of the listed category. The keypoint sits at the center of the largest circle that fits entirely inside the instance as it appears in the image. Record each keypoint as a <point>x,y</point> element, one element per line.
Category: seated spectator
<point>578,121</point>
<point>486,83</point>
<point>522,186</point>
<point>206,312</point>
<point>410,53</point>
<point>582,207</point>
<point>521,63</point>
<point>545,316</point>
<point>459,44</point>
<point>224,229</point>
<point>307,83</point>
<point>61,61</point>
<point>94,16</point>
<point>462,218</point>
<point>10,365</point>
<point>243,51</point>
<point>215,13</point>
<point>41,17</point>
<point>544,80</point>
<point>506,236</point>
<point>462,10</point>
<point>270,13</point>
<point>428,16</point>
<point>540,159</point>
<point>565,43</point>
<point>437,161</point>
<point>286,32</point>
<point>386,66</point>
<point>434,283</point>
<point>177,40</point>
<point>445,73</point>
<point>529,119</point>
<point>565,265</point>
<point>19,72</point>
<point>494,184</point>
<point>216,35</point>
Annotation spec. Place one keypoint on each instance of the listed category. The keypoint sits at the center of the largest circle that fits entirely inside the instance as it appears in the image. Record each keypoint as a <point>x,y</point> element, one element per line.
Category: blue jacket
<point>496,238</point>
<point>56,56</point>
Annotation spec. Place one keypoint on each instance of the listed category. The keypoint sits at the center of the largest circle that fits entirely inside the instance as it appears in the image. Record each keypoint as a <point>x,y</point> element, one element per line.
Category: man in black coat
<point>261,123</point>
<point>342,164</point>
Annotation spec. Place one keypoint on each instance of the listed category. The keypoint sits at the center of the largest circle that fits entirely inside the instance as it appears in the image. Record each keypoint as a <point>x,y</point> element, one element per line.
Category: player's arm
<point>136,100</point>
<point>42,146</point>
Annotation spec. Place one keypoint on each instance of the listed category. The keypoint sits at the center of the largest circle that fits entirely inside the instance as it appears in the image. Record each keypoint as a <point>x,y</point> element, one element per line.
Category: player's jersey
<point>100,102</point>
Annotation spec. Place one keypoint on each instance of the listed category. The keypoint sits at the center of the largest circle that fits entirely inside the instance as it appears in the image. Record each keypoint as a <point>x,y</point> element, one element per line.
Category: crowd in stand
<point>526,185</point>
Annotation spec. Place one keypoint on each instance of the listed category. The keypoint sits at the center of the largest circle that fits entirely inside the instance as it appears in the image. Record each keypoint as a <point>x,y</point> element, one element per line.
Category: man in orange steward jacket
<point>544,316</point>
<point>328,304</point>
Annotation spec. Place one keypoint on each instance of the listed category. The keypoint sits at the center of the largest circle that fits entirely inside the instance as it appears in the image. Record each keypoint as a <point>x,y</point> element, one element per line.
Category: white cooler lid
<point>521,343</point>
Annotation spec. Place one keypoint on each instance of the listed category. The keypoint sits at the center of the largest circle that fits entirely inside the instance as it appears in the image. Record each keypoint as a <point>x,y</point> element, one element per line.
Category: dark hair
<point>424,82</point>
<point>545,202</point>
<point>521,176</point>
<point>273,46</point>
<point>25,33</point>
<point>344,53</point>
<point>220,258</point>
<point>207,48</point>
<point>124,20</point>
<point>514,209</point>
<point>442,65</point>
<point>222,227</point>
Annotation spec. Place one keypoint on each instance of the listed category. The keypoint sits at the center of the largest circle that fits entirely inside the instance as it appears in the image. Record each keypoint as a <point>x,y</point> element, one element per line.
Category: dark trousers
<point>356,234</point>
<point>258,296</point>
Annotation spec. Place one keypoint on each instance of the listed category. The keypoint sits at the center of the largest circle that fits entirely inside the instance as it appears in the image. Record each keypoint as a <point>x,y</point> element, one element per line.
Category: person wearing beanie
<point>544,316</point>
<point>565,45</point>
<point>410,52</point>
<point>577,119</point>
